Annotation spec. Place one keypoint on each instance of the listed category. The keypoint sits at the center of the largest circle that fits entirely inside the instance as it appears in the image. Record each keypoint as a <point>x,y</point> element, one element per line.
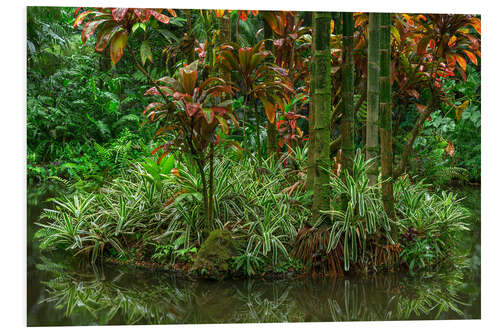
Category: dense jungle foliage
<point>238,143</point>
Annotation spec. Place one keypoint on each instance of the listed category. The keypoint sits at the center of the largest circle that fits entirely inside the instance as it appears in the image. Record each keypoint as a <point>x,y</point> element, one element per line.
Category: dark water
<point>65,291</point>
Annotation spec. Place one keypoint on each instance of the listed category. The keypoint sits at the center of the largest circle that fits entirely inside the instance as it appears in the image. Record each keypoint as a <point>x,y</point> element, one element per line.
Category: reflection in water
<point>129,296</point>
<point>66,291</point>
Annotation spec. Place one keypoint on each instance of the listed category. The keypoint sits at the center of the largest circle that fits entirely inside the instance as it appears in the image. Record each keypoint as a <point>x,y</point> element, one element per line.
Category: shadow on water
<point>65,291</point>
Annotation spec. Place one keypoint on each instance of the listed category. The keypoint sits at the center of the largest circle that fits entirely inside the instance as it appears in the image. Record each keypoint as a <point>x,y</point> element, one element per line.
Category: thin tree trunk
<point>321,90</point>
<point>272,132</point>
<point>190,55</point>
<point>188,18</point>
<point>225,38</point>
<point>398,121</point>
<point>310,152</point>
<point>244,125</point>
<point>347,122</point>
<point>226,28</point>
<point>337,21</point>
<point>210,212</point>
<point>386,114</point>
<point>372,145</point>
<point>237,30</point>
<point>257,118</point>
<point>415,132</point>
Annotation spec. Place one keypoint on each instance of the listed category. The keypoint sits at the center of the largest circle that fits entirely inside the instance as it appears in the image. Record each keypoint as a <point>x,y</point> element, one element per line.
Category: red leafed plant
<point>259,80</point>
<point>242,14</point>
<point>427,48</point>
<point>113,26</point>
<point>194,106</point>
<point>287,32</point>
<point>194,111</point>
<point>287,125</point>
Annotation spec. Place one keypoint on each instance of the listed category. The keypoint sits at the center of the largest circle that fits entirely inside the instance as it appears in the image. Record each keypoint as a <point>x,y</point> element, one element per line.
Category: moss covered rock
<point>216,252</point>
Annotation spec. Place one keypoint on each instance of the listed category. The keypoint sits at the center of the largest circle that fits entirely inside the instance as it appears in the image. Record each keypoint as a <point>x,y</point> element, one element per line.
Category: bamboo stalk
<point>347,122</point>
<point>321,92</point>
<point>372,144</point>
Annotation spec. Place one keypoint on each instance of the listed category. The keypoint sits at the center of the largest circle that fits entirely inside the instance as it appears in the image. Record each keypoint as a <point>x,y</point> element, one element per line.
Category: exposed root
<point>310,247</point>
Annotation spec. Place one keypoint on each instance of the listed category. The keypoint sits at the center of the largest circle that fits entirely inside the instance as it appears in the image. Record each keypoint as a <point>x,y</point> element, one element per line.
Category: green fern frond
<point>102,151</point>
<point>64,182</point>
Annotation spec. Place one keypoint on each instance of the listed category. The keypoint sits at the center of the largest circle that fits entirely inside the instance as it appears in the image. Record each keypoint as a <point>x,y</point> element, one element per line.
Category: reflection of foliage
<point>266,302</point>
<point>439,296</point>
<point>136,297</point>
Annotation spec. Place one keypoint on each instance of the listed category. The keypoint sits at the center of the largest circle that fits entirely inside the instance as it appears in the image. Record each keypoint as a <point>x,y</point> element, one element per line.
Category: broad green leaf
<point>146,52</point>
<point>118,43</point>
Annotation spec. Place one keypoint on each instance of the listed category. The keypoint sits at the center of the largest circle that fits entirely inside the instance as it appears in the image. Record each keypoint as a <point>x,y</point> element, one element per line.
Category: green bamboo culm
<point>372,144</point>
<point>347,121</point>
<point>386,114</point>
<point>321,93</point>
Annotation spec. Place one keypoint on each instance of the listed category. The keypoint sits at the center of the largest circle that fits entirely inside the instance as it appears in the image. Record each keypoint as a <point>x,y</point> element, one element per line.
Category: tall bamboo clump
<point>321,93</point>
<point>372,145</point>
<point>347,122</point>
<point>386,114</point>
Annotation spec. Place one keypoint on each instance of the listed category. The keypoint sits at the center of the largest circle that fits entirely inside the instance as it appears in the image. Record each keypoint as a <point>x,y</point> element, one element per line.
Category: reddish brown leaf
<point>80,18</point>
<point>119,13</point>
<point>471,56</point>
<point>160,131</point>
<point>270,110</point>
<point>142,14</point>
<point>154,106</point>
<point>104,36</point>
<point>461,62</point>
<point>191,109</point>
<point>408,19</point>
<point>243,14</point>
<point>452,41</point>
<point>450,149</point>
<point>89,29</point>
<point>476,23</point>
<point>451,60</point>
<point>160,17</point>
